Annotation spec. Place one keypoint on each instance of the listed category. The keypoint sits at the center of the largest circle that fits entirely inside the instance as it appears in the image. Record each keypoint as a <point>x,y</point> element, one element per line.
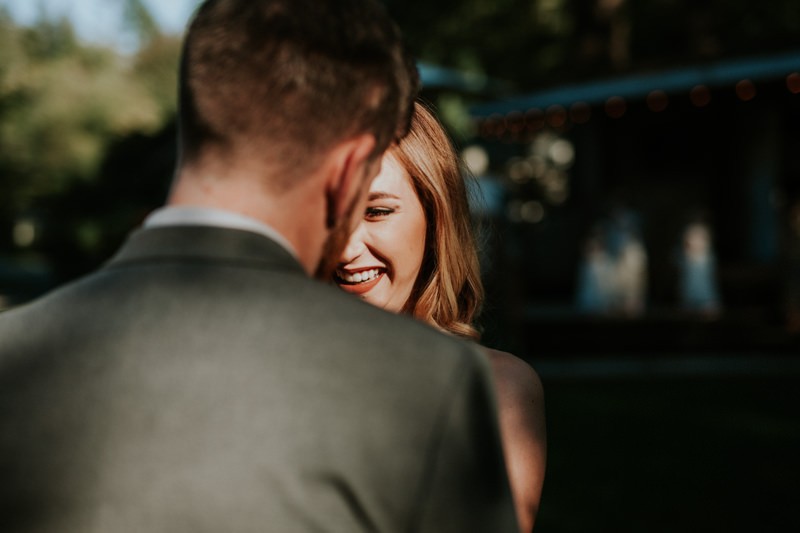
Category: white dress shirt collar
<point>185,215</point>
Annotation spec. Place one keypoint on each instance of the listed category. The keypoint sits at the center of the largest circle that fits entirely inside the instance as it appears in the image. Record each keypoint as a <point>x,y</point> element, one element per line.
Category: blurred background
<point>637,186</point>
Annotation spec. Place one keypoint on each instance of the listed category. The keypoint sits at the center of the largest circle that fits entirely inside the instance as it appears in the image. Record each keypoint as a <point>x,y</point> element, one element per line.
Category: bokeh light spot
<point>534,119</point>
<point>793,82</point>
<point>580,112</point>
<point>745,90</point>
<point>616,107</point>
<point>556,116</point>
<point>700,96</point>
<point>657,101</point>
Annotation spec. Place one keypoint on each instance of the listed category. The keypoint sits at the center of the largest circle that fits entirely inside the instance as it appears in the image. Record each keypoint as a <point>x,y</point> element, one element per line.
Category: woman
<point>414,253</point>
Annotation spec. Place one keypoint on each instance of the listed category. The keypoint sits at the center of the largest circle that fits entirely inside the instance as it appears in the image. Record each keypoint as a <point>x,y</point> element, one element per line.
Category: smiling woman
<point>384,255</point>
<point>414,253</point>
<point>417,228</point>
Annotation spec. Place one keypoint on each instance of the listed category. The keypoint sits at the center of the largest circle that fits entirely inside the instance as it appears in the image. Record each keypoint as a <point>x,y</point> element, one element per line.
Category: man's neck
<point>297,215</point>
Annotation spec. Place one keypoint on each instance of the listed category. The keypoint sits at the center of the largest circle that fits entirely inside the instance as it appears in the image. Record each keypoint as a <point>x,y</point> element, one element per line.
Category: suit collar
<point>204,244</point>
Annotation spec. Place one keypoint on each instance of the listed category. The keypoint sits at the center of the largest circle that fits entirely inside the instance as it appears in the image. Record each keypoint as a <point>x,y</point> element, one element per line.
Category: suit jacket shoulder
<point>200,381</point>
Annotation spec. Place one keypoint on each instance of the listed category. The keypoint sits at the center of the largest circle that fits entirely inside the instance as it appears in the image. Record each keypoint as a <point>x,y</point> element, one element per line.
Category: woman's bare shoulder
<point>514,375</point>
<point>520,401</point>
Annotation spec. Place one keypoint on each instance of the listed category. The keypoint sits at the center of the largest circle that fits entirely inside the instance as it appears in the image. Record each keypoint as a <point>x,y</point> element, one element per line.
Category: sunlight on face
<point>384,255</point>
<point>337,240</point>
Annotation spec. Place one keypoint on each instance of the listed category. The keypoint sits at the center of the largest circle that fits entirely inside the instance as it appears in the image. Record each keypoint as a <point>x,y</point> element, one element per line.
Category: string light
<point>556,116</point>
<point>700,96</point>
<point>616,107</point>
<point>657,101</point>
<point>745,90</point>
<point>534,119</point>
<point>580,112</point>
<point>498,125</point>
<point>793,82</point>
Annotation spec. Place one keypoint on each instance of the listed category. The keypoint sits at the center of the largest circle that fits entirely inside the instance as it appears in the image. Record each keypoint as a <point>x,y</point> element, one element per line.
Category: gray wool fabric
<point>200,381</point>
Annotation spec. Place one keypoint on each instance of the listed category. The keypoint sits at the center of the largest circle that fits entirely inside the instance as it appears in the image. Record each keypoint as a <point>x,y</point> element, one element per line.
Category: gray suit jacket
<point>202,382</point>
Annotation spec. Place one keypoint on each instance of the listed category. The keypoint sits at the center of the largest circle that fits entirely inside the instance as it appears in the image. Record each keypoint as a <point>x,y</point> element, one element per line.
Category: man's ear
<point>350,167</point>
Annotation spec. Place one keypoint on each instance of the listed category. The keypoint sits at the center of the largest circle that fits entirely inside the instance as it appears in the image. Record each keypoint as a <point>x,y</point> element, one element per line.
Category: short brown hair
<point>448,292</point>
<point>287,79</point>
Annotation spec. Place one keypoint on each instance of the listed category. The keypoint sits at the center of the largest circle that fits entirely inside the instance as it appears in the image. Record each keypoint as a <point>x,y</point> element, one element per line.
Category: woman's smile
<point>359,282</point>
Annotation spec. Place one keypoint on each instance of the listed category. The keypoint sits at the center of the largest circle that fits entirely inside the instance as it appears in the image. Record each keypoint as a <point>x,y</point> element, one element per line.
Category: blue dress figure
<point>698,283</point>
<point>595,277</point>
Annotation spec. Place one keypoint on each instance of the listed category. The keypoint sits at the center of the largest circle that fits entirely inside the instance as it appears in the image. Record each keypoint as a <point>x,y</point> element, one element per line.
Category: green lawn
<point>672,455</point>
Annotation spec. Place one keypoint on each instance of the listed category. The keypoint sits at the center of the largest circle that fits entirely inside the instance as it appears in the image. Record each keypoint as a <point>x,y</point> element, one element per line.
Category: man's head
<point>285,109</point>
<point>281,82</point>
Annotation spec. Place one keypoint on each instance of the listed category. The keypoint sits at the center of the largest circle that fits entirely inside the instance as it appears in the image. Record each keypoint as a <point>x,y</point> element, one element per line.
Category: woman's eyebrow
<point>381,195</point>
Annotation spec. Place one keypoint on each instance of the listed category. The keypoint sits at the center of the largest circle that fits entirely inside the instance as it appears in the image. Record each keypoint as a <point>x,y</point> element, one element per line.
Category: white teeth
<point>359,277</point>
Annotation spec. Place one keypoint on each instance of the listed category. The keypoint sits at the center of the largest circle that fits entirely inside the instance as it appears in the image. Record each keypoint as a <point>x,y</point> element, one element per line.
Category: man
<point>202,380</point>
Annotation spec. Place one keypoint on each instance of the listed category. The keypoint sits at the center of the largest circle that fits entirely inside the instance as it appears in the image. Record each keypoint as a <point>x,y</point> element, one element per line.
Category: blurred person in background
<point>612,278</point>
<point>414,253</point>
<point>202,380</point>
<point>698,271</point>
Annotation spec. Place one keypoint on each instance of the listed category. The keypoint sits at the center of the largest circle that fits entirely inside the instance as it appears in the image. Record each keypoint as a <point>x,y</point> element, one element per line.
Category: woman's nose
<point>355,245</point>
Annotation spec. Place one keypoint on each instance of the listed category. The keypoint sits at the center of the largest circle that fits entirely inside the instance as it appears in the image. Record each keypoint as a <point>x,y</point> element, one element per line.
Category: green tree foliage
<point>156,68</point>
<point>61,102</point>
<point>138,17</point>
<point>502,38</point>
<point>73,119</point>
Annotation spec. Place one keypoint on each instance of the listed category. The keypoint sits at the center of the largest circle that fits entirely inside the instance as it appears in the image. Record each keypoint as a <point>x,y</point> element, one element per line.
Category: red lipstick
<point>359,287</point>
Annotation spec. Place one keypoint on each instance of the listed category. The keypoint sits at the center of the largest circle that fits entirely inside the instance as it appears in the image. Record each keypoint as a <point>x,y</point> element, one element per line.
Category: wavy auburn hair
<point>448,292</point>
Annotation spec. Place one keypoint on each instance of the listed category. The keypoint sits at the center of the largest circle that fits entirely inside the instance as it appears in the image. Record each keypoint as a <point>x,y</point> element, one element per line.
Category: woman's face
<point>384,255</point>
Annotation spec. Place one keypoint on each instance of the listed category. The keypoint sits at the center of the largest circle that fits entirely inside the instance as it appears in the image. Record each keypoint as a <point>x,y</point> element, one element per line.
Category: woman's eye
<point>377,212</point>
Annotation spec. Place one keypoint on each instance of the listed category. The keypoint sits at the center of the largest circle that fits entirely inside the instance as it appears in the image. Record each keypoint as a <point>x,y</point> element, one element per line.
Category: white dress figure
<point>630,263</point>
<point>631,277</point>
